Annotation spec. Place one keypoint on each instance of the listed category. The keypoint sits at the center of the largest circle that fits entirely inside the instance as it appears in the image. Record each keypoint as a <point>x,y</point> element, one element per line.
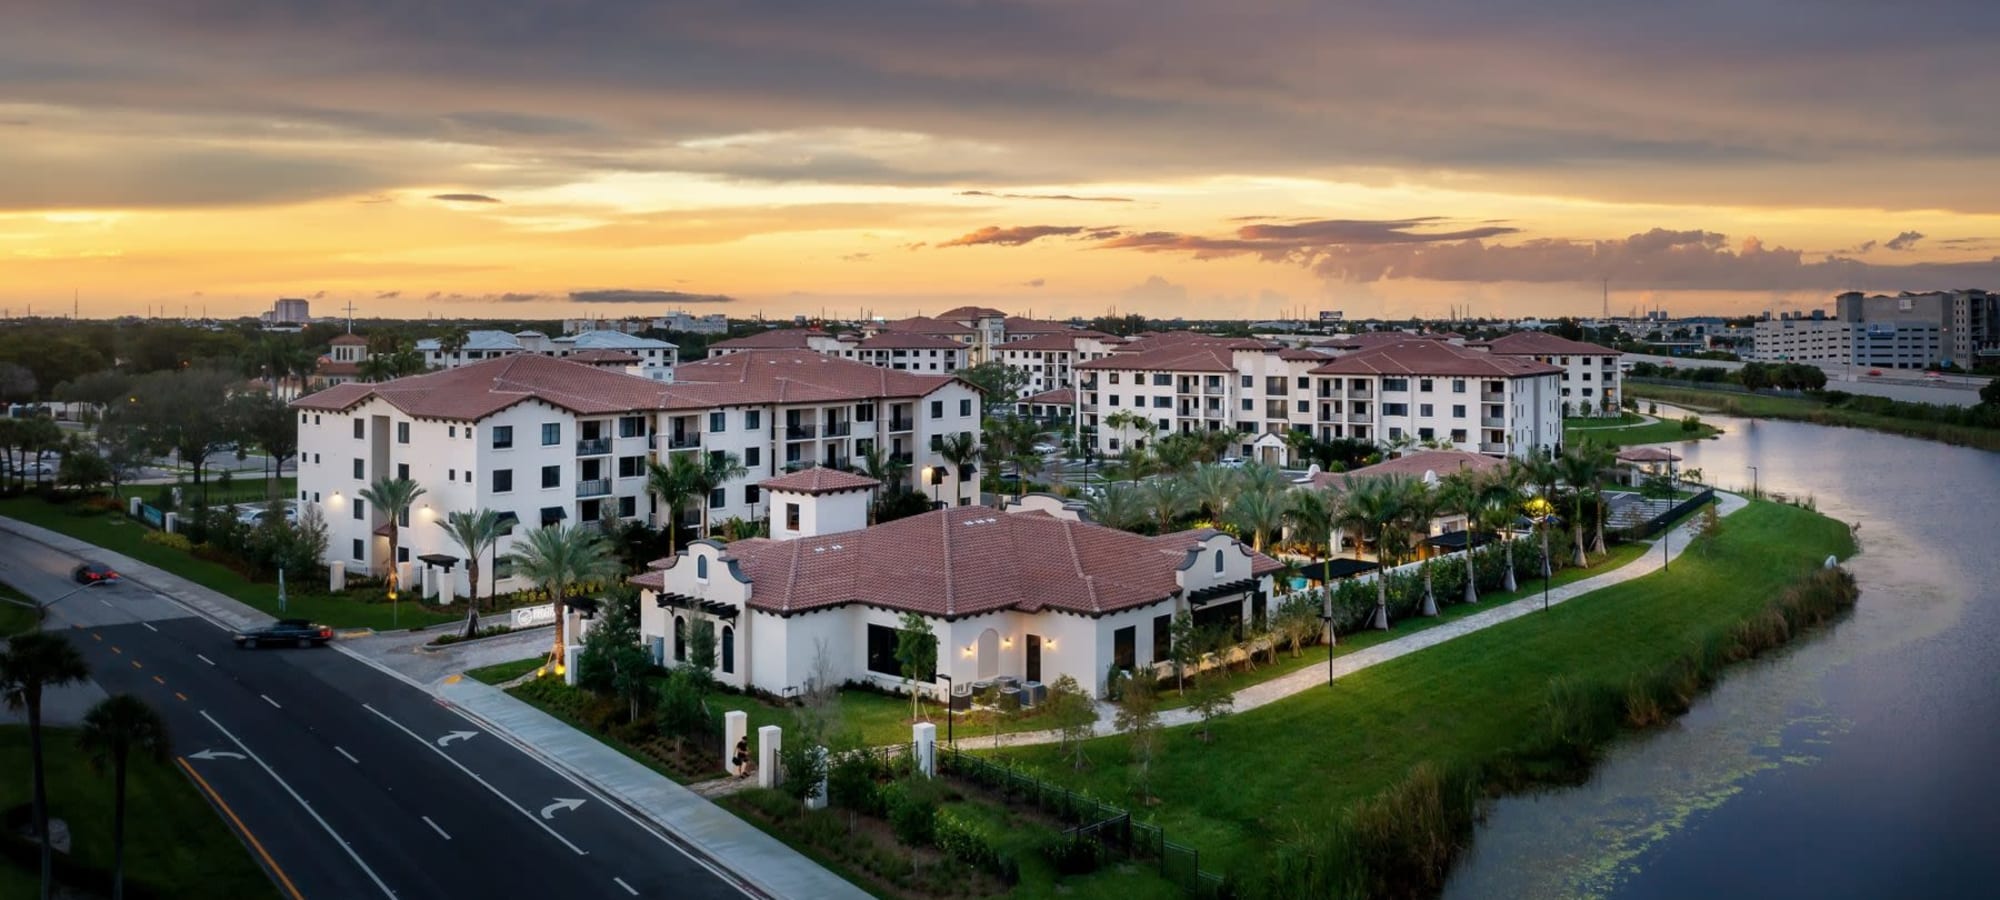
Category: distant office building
<point>288,311</point>
<point>645,357</point>
<point>1905,331</point>
<point>714,323</point>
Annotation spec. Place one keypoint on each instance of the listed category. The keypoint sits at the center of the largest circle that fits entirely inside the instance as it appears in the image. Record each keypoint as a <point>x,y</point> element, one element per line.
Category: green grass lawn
<point>1802,409</point>
<point>1462,701</point>
<point>15,619</point>
<point>501,673</point>
<point>117,533</point>
<point>176,844</point>
<point>1586,423</point>
<point>1661,432</point>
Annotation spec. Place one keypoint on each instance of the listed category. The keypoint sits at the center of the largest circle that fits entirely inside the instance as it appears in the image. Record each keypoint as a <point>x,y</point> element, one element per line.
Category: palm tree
<point>1315,515</point>
<point>1263,477</point>
<point>112,731</point>
<point>1214,487</point>
<point>1133,465</point>
<point>715,470</point>
<point>559,559</point>
<point>392,497</point>
<point>962,451</point>
<point>878,464</point>
<point>34,661</point>
<point>1116,506</point>
<point>1375,507</point>
<point>1167,499</point>
<point>1604,460</point>
<point>1500,498</point>
<point>1579,470</point>
<point>673,483</point>
<point>477,532</point>
<point>1541,471</point>
<point>1420,507</point>
<point>1258,512</point>
<point>1460,493</point>
<point>1177,452</point>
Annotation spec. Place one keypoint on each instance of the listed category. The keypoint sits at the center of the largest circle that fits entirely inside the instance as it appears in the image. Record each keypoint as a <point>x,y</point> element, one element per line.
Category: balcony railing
<point>800,432</point>
<point>1214,388</point>
<point>1355,418</point>
<point>901,424</point>
<point>796,465</point>
<point>594,447</point>
<point>595,487</point>
<point>1492,396</point>
<point>905,458</point>
<point>1492,448</point>
<point>1360,394</point>
<point>837,462</point>
<point>1492,422</point>
<point>684,441</point>
<point>839,429</point>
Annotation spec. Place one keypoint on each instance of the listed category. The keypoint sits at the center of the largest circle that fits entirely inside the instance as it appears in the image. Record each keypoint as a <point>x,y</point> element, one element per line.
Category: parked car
<point>292,632</point>
<point>92,573</point>
<point>1048,450</point>
<point>256,515</point>
<point>1231,462</point>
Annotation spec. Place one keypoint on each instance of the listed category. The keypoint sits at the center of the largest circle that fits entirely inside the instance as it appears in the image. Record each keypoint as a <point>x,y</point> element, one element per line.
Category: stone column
<point>735,725</point>
<point>571,651</point>
<point>924,735</point>
<point>769,738</point>
<point>132,505</point>
<point>336,577</point>
<point>447,585</point>
<point>173,523</point>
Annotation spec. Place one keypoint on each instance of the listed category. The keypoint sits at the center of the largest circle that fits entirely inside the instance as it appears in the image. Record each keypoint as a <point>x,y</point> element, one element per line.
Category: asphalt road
<point>343,781</point>
<point>1906,385</point>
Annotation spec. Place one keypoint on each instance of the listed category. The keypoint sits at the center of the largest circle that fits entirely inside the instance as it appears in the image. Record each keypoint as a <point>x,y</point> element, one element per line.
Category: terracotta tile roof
<point>1054,340</point>
<point>966,561</point>
<point>789,376</point>
<point>907,340</point>
<point>1302,354</point>
<point>603,357</point>
<point>925,325</point>
<point>1429,357</point>
<point>1413,465</point>
<point>776,339</point>
<point>1058,397</point>
<point>349,340</point>
<point>329,367</point>
<point>819,480</point>
<point>1018,325</point>
<point>970,313</point>
<point>472,392</point>
<point>1368,339</point>
<point>1535,343</point>
<point>1647,454</point>
<point>1185,357</point>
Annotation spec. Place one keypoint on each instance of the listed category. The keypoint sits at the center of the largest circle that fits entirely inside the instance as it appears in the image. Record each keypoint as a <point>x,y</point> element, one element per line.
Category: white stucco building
<point>656,359</point>
<point>1023,594</point>
<point>1592,383</point>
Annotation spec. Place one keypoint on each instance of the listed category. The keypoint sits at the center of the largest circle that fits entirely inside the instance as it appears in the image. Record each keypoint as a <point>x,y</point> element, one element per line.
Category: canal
<point>1861,762</point>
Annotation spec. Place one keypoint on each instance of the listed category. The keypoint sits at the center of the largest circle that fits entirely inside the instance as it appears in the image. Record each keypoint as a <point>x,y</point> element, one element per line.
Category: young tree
<point>1166,499</point>
<point>1579,470</point>
<point>1258,511</point>
<point>113,730</point>
<point>1460,493</point>
<point>391,498</point>
<point>1298,620</point>
<point>1116,506</point>
<point>1184,648</point>
<point>1500,504</point>
<point>998,382</point>
<point>1421,503</point>
<point>916,654</point>
<point>32,663</point>
<point>1075,717</point>
<point>1139,717</point>
<point>613,663</point>
<point>674,484</point>
<point>1212,700</point>
<point>803,762</point>
<point>1709,530</point>
<point>1214,488</point>
<point>701,649</point>
<point>477,532</point>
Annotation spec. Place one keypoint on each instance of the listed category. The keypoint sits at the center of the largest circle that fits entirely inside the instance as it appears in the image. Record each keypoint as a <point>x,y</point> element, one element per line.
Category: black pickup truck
<point>285,633</point>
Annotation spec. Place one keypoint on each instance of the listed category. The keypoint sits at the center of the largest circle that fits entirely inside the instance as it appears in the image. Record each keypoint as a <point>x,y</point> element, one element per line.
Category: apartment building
<point>1047,362</point>
<point>1438,392</point>
<point>1592,383</point>
<point>981,330</point>
<point>902,351</point>
<point>656,358</point>
<point>545,440</point>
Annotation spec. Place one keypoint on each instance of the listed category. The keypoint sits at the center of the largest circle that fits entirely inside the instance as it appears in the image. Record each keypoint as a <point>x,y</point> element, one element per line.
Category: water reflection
<point>1839,767</point>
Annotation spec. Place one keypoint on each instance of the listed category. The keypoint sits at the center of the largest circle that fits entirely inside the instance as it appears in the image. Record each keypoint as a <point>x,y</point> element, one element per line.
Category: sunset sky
<point>1212,159</point>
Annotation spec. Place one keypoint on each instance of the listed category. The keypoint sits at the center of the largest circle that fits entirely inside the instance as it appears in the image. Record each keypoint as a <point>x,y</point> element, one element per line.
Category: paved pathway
<point>1315,676</point>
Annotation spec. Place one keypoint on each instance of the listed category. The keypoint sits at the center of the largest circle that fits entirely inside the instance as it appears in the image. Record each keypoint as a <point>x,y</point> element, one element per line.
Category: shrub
<point>852,782</point>
<point>913,808</point>
<point>1404,839</point>
<point>170,540</point>
<point>1073,854</point>
<point>963,839</point>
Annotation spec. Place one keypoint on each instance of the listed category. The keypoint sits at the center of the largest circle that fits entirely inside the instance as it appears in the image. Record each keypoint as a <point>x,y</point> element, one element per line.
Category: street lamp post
<point>949,742</point>
<point>1326,615</point>
<point>42,609</point>
<point>1754,495</point>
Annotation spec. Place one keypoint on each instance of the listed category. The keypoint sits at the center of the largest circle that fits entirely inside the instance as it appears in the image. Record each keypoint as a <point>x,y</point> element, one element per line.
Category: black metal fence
<point>1112,828</point>
<point>1656,524</point>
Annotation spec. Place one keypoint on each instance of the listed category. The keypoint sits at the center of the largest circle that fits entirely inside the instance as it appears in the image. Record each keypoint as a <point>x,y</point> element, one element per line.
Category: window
<point>1424,385</point>
<point>1458,435</point>
<point>1424,409</point>
<point>1162,379</point>
<point>1305,383</point>
<point>1425,434</point>
<point>717,498</point>
<point>451,431</point>
<point>701,567</point>
<point>882,654</point>
<point>1163,402</point>
<point>402,432</point>
<point>503,437</point>
<point>631,466</point>
<point>1395,384</point>
<point>680,639</point>
<point>628,507</point>
<point>864,412</point>
<point>357,548</point>
<point>1458,385</point>
<point>551,476</point>
<point>631,426</point>
<point>1249,405</point>
<point>1395,409</point>
<point>718,421</point>
<point>1304,406</point>
<point>965,406</point>
<point>1124,647</point>
<point>1219,563</point>
<point>402,554</point>
<point>753,457</point>
<point>360,471</point>
<point>403,471</point>
<point>503,480</point>
<point>360,429</point>
<point>360,509</point>
<point>551,433</point>
<point>1163,637</point>
<point>751,493</point>
<point>728,649</point>
<point>753,419</point>
<point>1114,399</point>
<point>937,442</point>
<point>937,409</point>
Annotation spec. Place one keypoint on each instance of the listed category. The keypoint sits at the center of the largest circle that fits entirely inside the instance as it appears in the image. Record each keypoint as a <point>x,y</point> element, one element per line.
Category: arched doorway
<point>989,654</point>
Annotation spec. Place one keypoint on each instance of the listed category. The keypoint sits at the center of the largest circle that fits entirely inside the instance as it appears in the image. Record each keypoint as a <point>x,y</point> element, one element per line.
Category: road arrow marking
<point>215,754</point>
<point>549,811</point>
<point>457,736</point>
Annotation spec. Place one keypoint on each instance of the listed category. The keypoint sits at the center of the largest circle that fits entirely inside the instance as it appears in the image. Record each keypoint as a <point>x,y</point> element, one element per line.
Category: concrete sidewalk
<point>704,828</point>
<point>1315,676</point>
<point>723,840</point>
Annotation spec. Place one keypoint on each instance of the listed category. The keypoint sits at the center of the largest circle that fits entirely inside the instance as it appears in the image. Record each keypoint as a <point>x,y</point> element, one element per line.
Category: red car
<point>92,573</point>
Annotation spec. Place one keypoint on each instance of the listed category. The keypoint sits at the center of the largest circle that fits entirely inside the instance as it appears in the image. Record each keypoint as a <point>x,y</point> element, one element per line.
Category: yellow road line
<point>183,697</point>
<point>114,649</point>
<point>158,680</point>
<point>135,665</point>
<point>247,834</point>
<point>96,637</point>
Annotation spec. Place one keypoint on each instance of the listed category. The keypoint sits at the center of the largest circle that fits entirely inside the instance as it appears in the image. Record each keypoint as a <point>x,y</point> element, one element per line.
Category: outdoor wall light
<point>1006,642</point>
<point>1048,643</point>
<point>968,651</point>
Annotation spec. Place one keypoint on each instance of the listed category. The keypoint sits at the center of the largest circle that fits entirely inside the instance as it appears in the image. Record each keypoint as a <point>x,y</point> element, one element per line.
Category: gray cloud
<point>626,295</point>
<point>1013,236</point>
<point>1007,196</point>
<point>1904,241</point>
<point>1289,241</point>
<point>1034,282</point>
<point>388,295</point>
<point>514,297</point>
<point>464,198</point>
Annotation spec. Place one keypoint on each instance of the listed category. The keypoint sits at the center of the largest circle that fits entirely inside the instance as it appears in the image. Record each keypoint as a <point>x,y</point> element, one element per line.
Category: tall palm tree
<point>878,464</point>
<point>1116,506</point>
<point>673,483</point>
<point>1178,452</point>
<point>1167,499</point>
<point>560,559</point>
<point>391,498</point>
<point>717,468</point>
<point>1579,470</point>
<point>1374,507</point>
<point>1500,496</point>
<point>963,452</point>
<point>1314,514</point>
<point>35,661</point>
<point>478,533</point>
<point>1259,513</point>
<point>1420,507</point>
<point>1263,477</point>
<point>1214,487</point>
<point>113,730</point>
<point>1605,460</point>
<point>1460,493</point>
<point>1542,471</point>
<point>1133,465</point>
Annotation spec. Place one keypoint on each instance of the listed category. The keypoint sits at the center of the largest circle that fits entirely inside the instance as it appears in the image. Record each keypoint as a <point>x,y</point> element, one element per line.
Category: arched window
<point>728,649</point>
<point>701,568</point>
<point>1218,562</point>
<point>680,639</point>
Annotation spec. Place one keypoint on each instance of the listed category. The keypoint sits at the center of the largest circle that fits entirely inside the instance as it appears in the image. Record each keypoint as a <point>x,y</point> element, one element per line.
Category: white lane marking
<point>302,805</point>
<point>628,888</point>
<point>475,777</point>
<point>350,756</point>
<point>149,627</point>
<point>434,827</point>
<point>267,699</point>
<point>204,659</point>
<point>107,603</point>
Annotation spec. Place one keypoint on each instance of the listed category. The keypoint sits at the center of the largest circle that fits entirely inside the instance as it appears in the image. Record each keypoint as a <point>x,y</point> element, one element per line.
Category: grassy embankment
<point>116,533</point>
<point>1818,412</point>
<point>1621,433</point>
<point>1394,735</point>
<point>175,844</point>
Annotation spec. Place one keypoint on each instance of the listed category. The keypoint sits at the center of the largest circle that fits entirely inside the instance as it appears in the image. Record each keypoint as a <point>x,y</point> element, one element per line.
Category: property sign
<point>531,616</point>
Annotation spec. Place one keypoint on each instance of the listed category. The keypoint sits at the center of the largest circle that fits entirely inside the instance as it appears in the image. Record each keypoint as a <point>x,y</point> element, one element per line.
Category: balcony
<point>1355,418</point>
<point>838,462</point>
<point>684,441</point>
<point>594,447</point>
<point>1088,384</point>
<point>1087,406</point>
<point>796,465</point>
<point>1361,393</point>
<point>800,432</point>
<point>1492,396</point>
<point>905,458</point>
<point>1492,422</point>
<point>898,423</point>
<point>595,487</point>
<point>1492,448</point>
<point>1216,389</point>
<point>839,429</point>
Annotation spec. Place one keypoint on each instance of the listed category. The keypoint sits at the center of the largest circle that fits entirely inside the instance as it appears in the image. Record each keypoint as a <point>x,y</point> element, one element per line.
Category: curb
<point>429,648</point>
